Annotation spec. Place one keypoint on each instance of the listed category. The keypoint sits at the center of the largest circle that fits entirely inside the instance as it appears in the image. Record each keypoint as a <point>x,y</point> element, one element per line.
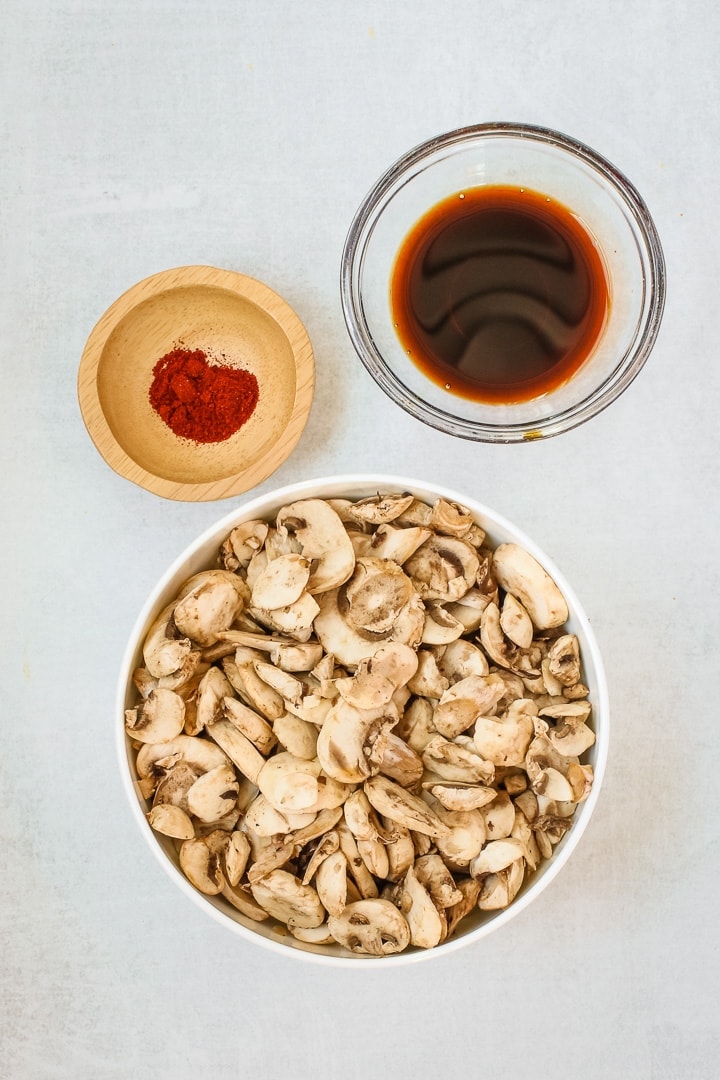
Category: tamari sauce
<point>499,294</point>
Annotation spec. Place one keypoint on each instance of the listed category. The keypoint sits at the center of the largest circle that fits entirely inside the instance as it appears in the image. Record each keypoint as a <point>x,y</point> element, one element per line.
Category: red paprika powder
<point>200,401</point>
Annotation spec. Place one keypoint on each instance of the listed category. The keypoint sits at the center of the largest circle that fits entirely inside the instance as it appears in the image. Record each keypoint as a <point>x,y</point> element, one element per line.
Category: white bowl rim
<point>380,482</point>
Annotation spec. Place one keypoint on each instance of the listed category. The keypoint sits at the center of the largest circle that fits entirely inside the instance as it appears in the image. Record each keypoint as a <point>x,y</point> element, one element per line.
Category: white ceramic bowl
<point>201,554</point>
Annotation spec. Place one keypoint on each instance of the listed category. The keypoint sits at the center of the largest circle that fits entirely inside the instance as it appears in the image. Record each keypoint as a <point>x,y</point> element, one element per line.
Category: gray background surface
<point>145,135</point>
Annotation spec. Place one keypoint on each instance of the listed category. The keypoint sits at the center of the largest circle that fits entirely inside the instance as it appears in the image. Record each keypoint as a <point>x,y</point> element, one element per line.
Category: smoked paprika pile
<point>200,401</point>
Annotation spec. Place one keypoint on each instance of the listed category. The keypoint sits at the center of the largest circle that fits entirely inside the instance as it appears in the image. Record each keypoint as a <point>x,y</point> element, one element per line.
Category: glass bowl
<point>598,196</point>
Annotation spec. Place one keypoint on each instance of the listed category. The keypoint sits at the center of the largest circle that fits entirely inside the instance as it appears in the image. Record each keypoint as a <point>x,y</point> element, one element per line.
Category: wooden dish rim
<point>248,288</point>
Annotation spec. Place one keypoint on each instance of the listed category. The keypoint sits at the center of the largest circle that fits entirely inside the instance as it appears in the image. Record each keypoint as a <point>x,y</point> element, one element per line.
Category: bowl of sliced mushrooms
<point>362,718</point>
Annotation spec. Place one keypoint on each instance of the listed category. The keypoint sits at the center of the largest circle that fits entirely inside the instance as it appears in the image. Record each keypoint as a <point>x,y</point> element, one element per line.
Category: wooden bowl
<point>226,315</point>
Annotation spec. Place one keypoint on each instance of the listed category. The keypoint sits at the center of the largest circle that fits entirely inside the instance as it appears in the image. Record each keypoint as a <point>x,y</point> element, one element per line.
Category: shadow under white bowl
<point>201,554</point>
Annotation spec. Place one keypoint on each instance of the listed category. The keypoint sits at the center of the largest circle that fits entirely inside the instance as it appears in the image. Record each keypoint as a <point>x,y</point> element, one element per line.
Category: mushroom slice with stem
<point>519,573</point>
<point>443,568</point>
<point>201,866</point>
<point>373,926</point>
<point>352,741</point>
<point>213,794</point>
<point>394,543</point>
<point>213,687</point>
<point>209,603</point>
<point>357,867</point>
<point>378,509</point>
<point>451,519</point>
<point>244,541</point>
<point>285,898</point>
<point>159,718</point>
<point>375,595</point>
<point>164,649</point>
<point>498,890</point>
<point>199,753</point>
<point>323,541</point>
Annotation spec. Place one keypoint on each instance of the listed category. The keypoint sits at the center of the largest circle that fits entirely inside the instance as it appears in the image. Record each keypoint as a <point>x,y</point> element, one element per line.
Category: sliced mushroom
<point>158,719</point>
<point>243,542</point>
<point>504,739</point>
<point>463,703</point>
<point>498,816</point>
<point>378,509</point>
<point>253,690</point>
<point>296,735</point>
<point>352,741</point>
<point>201,866</point>
<point>213,687</point>
<point>250,723</point>
<point>400,851</point>
<point>395,543</point>
<point>282,582</point>
<point>515,622</point>
<point>209,603</point>
<point>327,844</point>
<point>373,926</point>
<point>459,796</point>
<point>289,783</point>
<point>465,838</point>
<point>400,762</point>
<point>400,805</point>
<point>164,649</point>
<point>331,882</point>
<point>284,897</point>
<point>469,889</point>
<point>460,659</point>
<point>500,889</point>
<point>416,726</point>
<point>564,660</point>
<point>243,754</point>
<point>197,752</point>
<point>452,760</point>
<point>323,542</point>
<point>443,568</point>
<point>171,821</point>
<point>496,855</point>
<point>519,573</point>
<point>236,857</point>
<point>213,794</point>
<point>440,627</point>
<point>432,872</point>
<point>428,681</point>
<point>451,519</point>
<point>427,925</point>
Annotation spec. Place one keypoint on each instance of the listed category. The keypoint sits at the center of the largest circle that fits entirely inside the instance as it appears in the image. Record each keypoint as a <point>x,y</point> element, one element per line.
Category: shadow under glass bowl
<point>515,155</point>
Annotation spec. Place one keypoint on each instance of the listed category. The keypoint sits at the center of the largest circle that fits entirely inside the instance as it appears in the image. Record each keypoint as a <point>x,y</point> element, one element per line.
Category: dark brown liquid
<point>499,294</point>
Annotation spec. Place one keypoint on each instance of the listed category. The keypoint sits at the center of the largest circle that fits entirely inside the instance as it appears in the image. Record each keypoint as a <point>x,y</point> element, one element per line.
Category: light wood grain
<point>234,319</point>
